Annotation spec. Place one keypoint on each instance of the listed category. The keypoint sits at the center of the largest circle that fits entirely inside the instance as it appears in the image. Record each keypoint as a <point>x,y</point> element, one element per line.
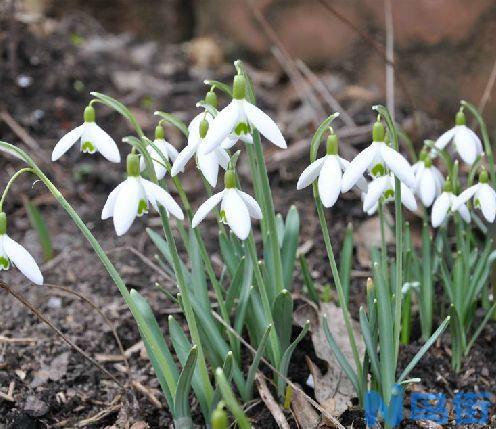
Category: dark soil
<point>54,386</point>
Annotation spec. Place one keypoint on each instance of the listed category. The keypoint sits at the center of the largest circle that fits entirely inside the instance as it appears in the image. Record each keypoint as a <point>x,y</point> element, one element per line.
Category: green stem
<point>383,243</point>
<point>11,182</point>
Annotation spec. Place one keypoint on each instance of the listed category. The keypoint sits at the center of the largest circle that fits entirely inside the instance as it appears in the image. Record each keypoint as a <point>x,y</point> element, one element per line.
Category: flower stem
<point>11,182</point>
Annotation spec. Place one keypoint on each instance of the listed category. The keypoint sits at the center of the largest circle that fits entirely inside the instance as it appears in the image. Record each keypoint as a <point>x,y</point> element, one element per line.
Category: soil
<point>44,89</point>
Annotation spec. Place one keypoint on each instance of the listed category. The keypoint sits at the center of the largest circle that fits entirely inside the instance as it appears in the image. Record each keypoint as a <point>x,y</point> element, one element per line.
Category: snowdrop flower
<point>208,162</point>
<point>167,151</point>
<point>376,158</point>
<point>484,197</point>
<point>428,180</point>
<point>130,199</point>
<point>93,139</point>
<point>329,171</point>
<point>467,144</point>
<point>240,117</point>
<point>236,207</point>
<point>13,253</point>
<point>384,186</point>
<point>444,205</point>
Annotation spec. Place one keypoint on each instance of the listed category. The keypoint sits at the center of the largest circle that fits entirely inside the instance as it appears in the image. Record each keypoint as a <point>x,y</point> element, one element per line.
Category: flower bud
<point>203,128</point>
<point>370,286</point>
<point>378,132</point>
<point>239,87</point>
<point>460,118</point>
<point>211,98</point>
<point>3,223</point>
<point>483,176</point>
<point>89,114</point>
<point>230,179</point>
<point>332,145</point>
<point>219,417</point>
<point>159,132</point>
<point>133,165</point>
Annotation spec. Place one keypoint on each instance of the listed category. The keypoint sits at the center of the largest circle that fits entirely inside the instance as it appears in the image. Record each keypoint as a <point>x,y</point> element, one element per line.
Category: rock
<point>35,407</point>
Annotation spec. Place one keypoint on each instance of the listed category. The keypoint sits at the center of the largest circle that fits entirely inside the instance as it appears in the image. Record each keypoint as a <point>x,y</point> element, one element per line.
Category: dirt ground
<point>46,384</point>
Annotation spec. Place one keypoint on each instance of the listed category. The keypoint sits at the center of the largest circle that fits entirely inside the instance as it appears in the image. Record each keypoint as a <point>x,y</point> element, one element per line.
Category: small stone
<point>54,302</point>
<point>35,407</point>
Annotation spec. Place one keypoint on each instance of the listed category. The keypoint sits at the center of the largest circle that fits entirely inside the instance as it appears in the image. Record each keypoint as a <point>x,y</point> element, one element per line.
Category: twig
<point>28,340</point>
<point>9,396</point>
<point>47,322</point>
<point>329,416</point>
<point>388,12</point>
<point>270,402</point>
<point>487,90</point>
<point>146,392</point>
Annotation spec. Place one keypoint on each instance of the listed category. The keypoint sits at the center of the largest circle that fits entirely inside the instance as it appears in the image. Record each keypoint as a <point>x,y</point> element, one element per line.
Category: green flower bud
<point>3,223</point>
<point>378,132</point>
<point>133,165</point>
<point>211,98</point>
<point>332,145</point>
<point>239,87</point>
<point>483,176</point>
<point>219,418</point>
<point>203,128</point>
<point>460,118</point>
<point>89,114</point>
<point>159,132</point>
<point>230,179</point>
<point>427,162</point>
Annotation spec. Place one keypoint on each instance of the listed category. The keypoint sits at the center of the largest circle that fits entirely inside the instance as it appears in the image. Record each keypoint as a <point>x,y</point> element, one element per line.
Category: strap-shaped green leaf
<point>227,369</point>
<point>234,291</point>
<point>230,400</point>
<point>181,403</point>
<point>282,313</point>
<point>250,378</point>
<point>345,261</point>
<point>290,245</point>
<point>308,281</point>
<point>370,343</point>
<point>39,224</point>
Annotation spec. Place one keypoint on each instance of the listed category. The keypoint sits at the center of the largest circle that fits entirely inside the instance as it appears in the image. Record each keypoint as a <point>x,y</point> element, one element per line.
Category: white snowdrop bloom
<point>93,139</point>
<point>237,207</point>
<point>428,181</point>
<point>383,187</point>
<point>444,205</point>
<point>13,253</point>
<point>131,197</point>
<point>240,117</point>
<point>166,150</point>
<point>484,197</point>
<point>207,162</point>
<point>233,138</point>
<point>467,143</point>
<point>376,158</point>
<point>329,171</point>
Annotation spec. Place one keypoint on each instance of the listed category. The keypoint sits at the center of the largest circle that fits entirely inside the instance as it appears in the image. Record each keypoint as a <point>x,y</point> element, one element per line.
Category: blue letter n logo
<point>392,413</point>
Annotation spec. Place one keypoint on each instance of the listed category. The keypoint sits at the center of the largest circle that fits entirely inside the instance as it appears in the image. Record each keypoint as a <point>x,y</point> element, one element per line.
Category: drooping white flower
<point>376,158</point>
<point>444,205</point>
<point>428,180</point>
<point>13,253</point>
<point>237,207</point>
<point>93,139</point>
<point>208,162</point>
<point>329,171</point>
<point>383,187</point>
<point>484,197</point>
<point>166,150</point>
<point>131,197</point>
<point>467,143</point>
<point>240,117</point>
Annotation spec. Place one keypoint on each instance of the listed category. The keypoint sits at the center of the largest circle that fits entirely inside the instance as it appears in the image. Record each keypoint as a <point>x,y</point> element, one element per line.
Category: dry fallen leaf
<point>304,413</point>
<point>368,236</point>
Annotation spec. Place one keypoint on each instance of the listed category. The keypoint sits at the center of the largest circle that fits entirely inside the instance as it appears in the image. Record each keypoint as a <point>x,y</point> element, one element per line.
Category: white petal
<point>487,200</point>
<point>126,204</point>
<point>156,194</point>
<point>208,165</point>
<point>263,123</point>
<point>21,258</point>
<point>440,209</point>
<point>157,158</point>
<point>376,188</point>
<point>407,198</point>
<point>445,138</point>
<point>108,208</point>
<point>358,166</point>
<point>222,125</point>
<point>237,215</point>
<point>251,204</point>
<point>476,139</point>
<point>464,213</point>
<point>246,138</point>
<point>67,141</point>
<point>223,158</point>
<point>229,141</point>
<point>465,145</point>
<point>330,181</point>
<point>206,208</point>
<point>171,151</point>
<point>464,197</point>
<point>310,174</point>
<point>439,179</point>
<point>103,142</point>
<point>182,159</point>
<point>427,187</point>
<point>362,183</point>
<point>398,165</point>
<point>418,169</point>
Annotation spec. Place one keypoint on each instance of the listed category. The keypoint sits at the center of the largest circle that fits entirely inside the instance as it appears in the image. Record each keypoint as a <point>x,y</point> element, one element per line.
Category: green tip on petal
<point>378,132</point>
<point>483,176</point>
<point>203,128</point>
<point>230,179</point>
<point>239,87</point>
<point>427,162</point>
<point>332,145</point>
<point>89,114</point>
<point>159,132</point>
<point>211,98</point>
<point>133,165</point>
<point>3,223</point>
<point>460,118</point>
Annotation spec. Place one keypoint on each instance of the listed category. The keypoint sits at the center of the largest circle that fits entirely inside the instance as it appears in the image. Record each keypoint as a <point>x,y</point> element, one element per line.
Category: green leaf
<point>198,284</point>
<point>290,245</point>
<point>233,292</point>
<point>181,403</point>
<point>230,400</point>
<point>38,223</point>
<point>229,254</point>
<point>370,343</point>
<point>227,369</point>
<point>282,312</point>
<point>250,378</point>
<point>308,281</point>
<point>345,261</point>
<point>173,120</point>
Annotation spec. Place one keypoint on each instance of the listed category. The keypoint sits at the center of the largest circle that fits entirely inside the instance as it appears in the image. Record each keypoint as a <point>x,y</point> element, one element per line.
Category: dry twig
<point>270,402</point>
